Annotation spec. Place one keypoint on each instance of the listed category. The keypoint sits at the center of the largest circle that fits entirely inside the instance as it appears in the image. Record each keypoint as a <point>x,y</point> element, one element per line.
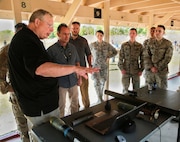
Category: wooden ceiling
<point>136,13</point>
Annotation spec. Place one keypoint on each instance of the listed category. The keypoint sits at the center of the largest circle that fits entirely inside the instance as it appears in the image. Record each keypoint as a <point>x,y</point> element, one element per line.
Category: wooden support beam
<point>158,9</point>
<point>147,4</point>
<point>151,21</point>
<point>93,2</point>
<point>71,12</point>
<point>127,17</point>
<point>164,19</point>
<point>16,8</point>
<point>106,36</point>
<point>106,20</point>
<point>117,3</point>
<point>173,9</point>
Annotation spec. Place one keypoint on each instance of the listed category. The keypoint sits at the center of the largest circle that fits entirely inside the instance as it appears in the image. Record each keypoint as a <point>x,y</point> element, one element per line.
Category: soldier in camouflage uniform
<point>101,52</point>
<point>131,62</point>
<point>158,53</point>
<point>5,87</point>
<point>149,77</point>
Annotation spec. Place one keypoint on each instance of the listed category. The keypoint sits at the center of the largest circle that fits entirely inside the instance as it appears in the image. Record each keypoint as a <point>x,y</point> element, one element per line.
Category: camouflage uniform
<point>149,76</point>
<point>5,87</point>
<point>157,54</point>
<point>100,53</point>
<point>131,60</point>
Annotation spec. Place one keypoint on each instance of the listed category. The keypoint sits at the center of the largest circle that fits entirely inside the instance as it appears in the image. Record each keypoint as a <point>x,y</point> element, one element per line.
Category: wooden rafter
<point>148,4</point>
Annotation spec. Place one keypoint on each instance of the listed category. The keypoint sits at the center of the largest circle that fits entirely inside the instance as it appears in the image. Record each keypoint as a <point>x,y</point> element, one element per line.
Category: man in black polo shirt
<point>32,74</point>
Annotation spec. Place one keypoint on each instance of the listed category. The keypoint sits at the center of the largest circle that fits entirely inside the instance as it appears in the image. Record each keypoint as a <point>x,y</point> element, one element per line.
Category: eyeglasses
<point>50,25</point>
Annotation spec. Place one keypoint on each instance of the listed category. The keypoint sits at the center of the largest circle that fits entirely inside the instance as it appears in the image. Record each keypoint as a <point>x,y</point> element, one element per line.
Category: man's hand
<point>140,73</point>
<point>154,70</point>
<point>5,87</point>
<point>10,89</point>
<point>123,71</point>
<point>82,71</point>
<point>79,82</point>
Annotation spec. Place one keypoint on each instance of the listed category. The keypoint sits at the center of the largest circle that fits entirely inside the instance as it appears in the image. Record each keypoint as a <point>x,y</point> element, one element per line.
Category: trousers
<point>73,97</point>
<point>21,120</point>
<point>99,87</point>
<point>159,78</point>
<point>84,92</point>
<point>99,82</point>
<point>126,82</point>
<point>37,120</point>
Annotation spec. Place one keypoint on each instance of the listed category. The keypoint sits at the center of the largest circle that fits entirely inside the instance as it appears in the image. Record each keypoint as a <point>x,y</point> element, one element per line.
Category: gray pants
<point>126,82</point>
<point>159,78</point>
<point>99,82</point>
<point>37,120</point>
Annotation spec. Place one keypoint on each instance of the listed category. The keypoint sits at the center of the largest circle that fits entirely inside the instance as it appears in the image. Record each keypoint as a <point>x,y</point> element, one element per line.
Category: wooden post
<point>106,37</point>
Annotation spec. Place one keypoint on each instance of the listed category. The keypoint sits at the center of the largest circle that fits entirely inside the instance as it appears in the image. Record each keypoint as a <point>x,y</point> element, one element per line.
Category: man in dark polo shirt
<point>84,52</point>
<point>32,74</point>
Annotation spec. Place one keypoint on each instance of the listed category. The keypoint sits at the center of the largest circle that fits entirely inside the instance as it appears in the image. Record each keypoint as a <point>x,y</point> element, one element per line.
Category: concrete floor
<point>168,132</point>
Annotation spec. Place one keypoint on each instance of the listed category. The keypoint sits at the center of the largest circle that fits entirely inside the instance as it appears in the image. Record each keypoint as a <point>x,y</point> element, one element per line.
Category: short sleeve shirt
<point>68,56</point>
<point>82,47</point>
<point>36,94</point>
